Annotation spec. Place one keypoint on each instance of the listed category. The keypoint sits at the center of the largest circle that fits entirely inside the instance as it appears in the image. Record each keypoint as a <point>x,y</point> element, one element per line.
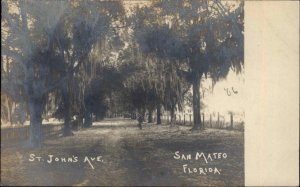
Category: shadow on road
<point>130,157</point>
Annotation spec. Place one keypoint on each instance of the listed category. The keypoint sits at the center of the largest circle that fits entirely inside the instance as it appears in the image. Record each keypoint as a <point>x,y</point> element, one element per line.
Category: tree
<point>161,51</point>
<point>11,94</point>
<point>49,41</point>
<point>211,36</point>
<point>25,45</point>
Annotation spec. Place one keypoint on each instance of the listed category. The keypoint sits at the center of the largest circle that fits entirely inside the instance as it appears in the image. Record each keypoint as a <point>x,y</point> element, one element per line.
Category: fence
<point>208,120</point>
<point>215,120</point>
<point>20,133</point>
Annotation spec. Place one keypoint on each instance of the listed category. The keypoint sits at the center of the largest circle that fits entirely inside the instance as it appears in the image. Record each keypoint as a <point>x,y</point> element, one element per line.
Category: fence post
<point>190,119</point>
<point>231,120</point>
<point>13,133</point>
<point>218,120</point>
<point>203,120</point>
<point>184,119</point>
<point>210,121</point>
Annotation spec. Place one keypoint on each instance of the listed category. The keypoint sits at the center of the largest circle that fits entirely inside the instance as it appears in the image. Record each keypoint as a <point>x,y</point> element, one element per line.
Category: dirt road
<point>116,152</point>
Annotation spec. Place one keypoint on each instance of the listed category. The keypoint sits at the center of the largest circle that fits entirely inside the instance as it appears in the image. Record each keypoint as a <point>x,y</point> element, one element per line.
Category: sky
<point>219,100</point>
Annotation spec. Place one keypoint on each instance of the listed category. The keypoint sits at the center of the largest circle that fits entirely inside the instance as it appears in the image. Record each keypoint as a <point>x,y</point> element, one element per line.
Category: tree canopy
<point>91,55</point>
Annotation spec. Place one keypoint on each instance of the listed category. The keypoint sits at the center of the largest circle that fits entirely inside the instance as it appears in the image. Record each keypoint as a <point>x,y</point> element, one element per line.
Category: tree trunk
<point>141,116</point>
<point>196,102</point>
<point>172,114</point>
<point>87,119</point>
<point>9,110</point>
<point>67,126</point>
<point>144,113</point>
<point>35,110</point>
<point>132,115</point>
<point>150,118</point>
<point>80,121</point>
<point>158,114</point>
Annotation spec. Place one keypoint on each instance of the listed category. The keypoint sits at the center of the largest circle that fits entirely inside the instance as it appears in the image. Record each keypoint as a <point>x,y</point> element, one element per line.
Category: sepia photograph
<point>122,93</point>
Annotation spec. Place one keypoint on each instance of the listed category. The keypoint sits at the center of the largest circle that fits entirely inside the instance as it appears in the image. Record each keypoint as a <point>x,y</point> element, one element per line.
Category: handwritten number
<point>229,92</point>
<point>235,92</point>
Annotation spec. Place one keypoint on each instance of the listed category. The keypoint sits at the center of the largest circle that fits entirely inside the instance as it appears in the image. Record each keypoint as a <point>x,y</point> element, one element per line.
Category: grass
<point>130,157</point>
